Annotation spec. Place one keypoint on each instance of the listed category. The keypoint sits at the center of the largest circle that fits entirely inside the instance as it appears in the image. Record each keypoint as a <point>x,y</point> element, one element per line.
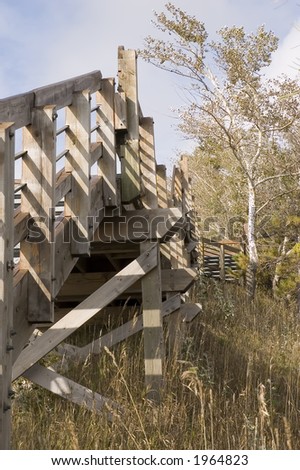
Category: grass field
<point>233,383</point>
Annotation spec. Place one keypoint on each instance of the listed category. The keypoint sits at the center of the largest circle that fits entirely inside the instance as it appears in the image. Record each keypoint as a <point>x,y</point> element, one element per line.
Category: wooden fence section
<point>218,259</point>
<point>77,238</point>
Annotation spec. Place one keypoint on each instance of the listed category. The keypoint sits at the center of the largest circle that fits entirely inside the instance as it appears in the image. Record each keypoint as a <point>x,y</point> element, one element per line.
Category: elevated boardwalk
<point>87,222</point>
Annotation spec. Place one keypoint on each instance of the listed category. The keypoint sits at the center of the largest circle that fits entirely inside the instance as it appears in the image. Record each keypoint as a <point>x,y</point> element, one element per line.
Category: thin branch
<point>276,197</point>
<point>270,178</point>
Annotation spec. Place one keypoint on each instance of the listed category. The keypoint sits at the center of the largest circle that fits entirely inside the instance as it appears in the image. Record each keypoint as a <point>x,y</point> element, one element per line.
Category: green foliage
<point>243,56</point>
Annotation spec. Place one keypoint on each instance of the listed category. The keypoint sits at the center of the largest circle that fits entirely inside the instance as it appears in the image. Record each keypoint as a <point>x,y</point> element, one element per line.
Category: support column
<point>77,202</point>
<point>38,199</point>
<point>153,328</point>
<point>106,119</point>
<point>6,278</point>
<point>130,162</point>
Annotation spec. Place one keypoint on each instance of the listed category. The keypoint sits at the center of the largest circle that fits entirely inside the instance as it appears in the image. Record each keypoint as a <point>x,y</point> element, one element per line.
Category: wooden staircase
<point>87,225</point>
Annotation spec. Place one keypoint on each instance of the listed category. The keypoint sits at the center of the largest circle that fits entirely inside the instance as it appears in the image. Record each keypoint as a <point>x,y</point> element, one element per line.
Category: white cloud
<point>45,41</point>
<point>286,60</point>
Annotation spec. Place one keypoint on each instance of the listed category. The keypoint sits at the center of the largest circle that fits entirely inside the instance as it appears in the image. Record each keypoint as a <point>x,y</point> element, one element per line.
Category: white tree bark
<point>253,256</point>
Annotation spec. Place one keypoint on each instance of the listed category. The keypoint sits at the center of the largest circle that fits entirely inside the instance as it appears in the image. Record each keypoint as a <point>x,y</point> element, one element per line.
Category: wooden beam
<point>130,162</point>
<point>161,182</point>
<point>63,186</point>
<point>7,151</point>
<point>120,111</point>
<point>117,335</point>
<point>38,198</point>
<point>21,220</point>
<point>84,311</point>
<point>80,285</point>
<point>177,326</point>
<point>139,225</point>
<point>17,109</point>
<point>78,138</point>
<point>70,390</point>
<point>153,329</point>
<point>96,152</point>
<point>189,311</point>
<point>105,117</point>
<point>176,187</point>
<point>62,93</point>
<point>21,327</point>
<point>148,164</point>
<point>64,261</point>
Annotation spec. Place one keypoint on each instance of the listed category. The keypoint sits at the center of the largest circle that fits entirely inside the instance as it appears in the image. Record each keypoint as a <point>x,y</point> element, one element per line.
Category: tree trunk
<point>277,275</point>
<point>253,256</point>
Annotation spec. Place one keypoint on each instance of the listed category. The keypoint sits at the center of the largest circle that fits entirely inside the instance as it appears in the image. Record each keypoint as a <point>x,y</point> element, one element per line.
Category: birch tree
<point>231,103</point>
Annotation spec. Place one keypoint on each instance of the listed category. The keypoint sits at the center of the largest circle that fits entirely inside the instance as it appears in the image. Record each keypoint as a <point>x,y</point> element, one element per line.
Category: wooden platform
<point>78,237</point>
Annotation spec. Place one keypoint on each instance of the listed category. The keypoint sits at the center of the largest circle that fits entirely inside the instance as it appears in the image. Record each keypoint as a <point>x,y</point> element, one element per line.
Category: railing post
<point>148,163</point>
<point>38,196</point>
<point>130,162</point>
<point>6,277</point>
<point>222,262</point>
<point>78,139</point>
<point>106,119</point>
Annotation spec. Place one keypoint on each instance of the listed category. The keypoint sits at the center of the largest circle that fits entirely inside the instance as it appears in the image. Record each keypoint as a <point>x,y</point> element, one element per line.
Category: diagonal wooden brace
<point>86,310</point>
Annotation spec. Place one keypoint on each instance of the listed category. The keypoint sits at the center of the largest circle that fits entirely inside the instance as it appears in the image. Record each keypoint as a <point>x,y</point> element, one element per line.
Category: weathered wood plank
<point>17,109</point>
<point>6,277</point>
<point>153,328</point>
<point>189,311</point>
<point>80,285</point>
<point>84,311</point>
<point>63,186</point>
<point>78,139</point>
<point>96,208</point>
<point>21,220</point>
<point>22,328</point>
<point>105,117</point>
<point>61,94</point>
<point>153,334</point>
<point>96,152</point>
<point>64,260</point>
<point>130,163</point>
<point>138,225</point>
<point>120,111</point>
<point>161,182</point>
<point>148,164</point>
<point>70,390</point>
<point>117,335</point>
<point>38,198</point>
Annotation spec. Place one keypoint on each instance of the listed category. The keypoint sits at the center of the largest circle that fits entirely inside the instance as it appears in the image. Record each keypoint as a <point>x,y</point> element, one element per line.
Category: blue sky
<point>42,41</point>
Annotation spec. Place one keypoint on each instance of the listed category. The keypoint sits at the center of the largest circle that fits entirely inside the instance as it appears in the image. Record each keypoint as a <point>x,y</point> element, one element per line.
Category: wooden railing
<point>218,259</point>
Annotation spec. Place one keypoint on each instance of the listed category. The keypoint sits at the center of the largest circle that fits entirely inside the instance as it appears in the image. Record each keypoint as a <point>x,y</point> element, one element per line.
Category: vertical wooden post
<point>153,328</point>
<point>185,185</point>
<point>6,277</point>
<point>161,182</point>
<point>77,202</point>
<point>148,164</point>
<point>162,197</point>
<point>105,117</point>
<point>222,261</point>
<point>38,196</point>
<point>151,283</point>
<point>131,172</point>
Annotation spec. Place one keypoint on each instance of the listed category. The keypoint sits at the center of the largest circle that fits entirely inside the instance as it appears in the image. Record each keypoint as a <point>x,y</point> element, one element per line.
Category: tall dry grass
<point>232,385</point>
